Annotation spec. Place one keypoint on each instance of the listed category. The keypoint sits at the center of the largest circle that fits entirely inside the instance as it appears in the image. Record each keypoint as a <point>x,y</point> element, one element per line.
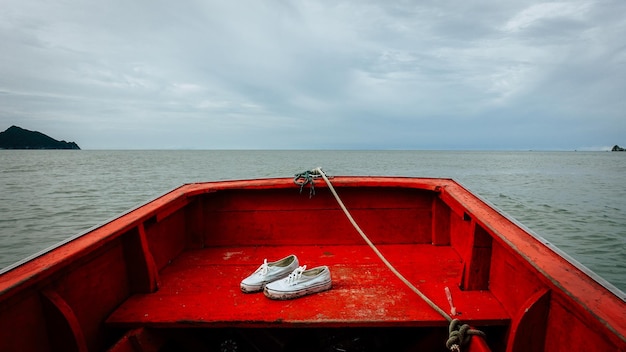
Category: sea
<point>575,200</point>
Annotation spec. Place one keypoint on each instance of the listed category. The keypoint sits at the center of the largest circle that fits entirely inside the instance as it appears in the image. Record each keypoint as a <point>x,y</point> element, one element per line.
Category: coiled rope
<point>458,335</point>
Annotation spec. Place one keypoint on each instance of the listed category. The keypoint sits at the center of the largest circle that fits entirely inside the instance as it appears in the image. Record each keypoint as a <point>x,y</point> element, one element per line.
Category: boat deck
<point>200,288</point>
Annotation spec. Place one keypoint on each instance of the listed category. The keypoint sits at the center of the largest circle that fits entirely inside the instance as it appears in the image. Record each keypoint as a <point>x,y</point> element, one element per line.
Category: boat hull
<point>167,273</point>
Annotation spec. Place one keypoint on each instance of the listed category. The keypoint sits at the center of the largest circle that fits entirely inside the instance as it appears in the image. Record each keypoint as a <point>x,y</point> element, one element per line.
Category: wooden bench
<point>200,288</point>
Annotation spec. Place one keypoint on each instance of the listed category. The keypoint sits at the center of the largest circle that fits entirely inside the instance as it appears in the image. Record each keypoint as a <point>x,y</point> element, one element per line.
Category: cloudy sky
<point>153,74</point>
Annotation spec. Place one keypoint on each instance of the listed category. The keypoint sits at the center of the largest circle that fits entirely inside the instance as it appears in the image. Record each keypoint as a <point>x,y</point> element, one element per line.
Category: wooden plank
<point>510,280</point>
<point>316,227</point>
<point>280,217</point>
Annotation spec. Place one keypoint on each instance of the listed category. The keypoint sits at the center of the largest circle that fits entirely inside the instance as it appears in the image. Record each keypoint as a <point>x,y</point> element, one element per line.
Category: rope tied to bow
<point>307,178</point>
<point>460,335</point>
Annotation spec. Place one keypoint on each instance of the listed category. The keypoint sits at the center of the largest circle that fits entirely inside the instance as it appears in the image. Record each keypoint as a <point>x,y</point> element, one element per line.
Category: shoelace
<point>263,269</point>
<point>295,275</point>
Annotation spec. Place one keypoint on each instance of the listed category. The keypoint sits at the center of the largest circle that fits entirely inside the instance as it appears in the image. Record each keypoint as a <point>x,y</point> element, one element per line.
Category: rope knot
<point>460,335</point>
<point>307,177</point>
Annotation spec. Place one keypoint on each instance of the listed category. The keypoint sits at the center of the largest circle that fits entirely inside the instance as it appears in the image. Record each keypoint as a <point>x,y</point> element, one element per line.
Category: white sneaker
<point>269,272</point>
<point>299,283</point>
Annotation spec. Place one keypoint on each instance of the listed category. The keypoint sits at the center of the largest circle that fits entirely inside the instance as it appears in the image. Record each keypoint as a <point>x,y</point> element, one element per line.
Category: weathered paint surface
<point>169,271</point>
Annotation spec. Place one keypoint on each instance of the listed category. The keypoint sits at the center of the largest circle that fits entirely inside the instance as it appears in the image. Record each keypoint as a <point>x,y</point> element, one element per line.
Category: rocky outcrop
<point>617,148</point>
<point>18,138</point>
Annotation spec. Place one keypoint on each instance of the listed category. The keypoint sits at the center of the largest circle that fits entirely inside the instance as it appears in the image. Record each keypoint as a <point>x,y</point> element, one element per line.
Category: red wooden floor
<point>200,288</point>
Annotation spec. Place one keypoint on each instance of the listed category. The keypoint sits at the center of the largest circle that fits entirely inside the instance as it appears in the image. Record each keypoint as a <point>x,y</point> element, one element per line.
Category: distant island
<point>617,148</point>
<point>18,138</point>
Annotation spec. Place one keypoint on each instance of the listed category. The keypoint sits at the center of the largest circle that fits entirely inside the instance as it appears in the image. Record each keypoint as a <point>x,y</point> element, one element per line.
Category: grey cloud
<point>346,74</point>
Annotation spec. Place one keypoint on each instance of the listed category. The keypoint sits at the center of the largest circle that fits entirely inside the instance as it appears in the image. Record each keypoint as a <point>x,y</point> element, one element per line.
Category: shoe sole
<point>251,288</point>
<point>281,295</point>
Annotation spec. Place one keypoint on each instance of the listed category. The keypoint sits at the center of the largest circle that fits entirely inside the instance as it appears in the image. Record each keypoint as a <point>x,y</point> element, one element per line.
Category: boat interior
<point>165,276</point>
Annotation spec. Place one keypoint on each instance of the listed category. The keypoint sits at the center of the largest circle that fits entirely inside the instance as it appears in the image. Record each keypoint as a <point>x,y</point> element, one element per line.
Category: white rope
<point>373,247</point>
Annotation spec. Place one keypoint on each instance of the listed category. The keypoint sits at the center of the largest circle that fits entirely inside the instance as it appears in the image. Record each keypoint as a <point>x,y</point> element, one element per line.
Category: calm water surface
<point>576,200</point>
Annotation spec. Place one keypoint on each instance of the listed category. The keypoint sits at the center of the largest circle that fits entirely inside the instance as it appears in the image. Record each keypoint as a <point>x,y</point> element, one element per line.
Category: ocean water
<point>575,200</point>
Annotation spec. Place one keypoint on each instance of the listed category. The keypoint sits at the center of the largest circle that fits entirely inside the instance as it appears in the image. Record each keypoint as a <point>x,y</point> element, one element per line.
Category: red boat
<point>404,253</point>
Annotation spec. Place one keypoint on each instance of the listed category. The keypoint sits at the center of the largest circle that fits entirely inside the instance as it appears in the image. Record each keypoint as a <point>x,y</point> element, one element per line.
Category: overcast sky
<point>151,74</point>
